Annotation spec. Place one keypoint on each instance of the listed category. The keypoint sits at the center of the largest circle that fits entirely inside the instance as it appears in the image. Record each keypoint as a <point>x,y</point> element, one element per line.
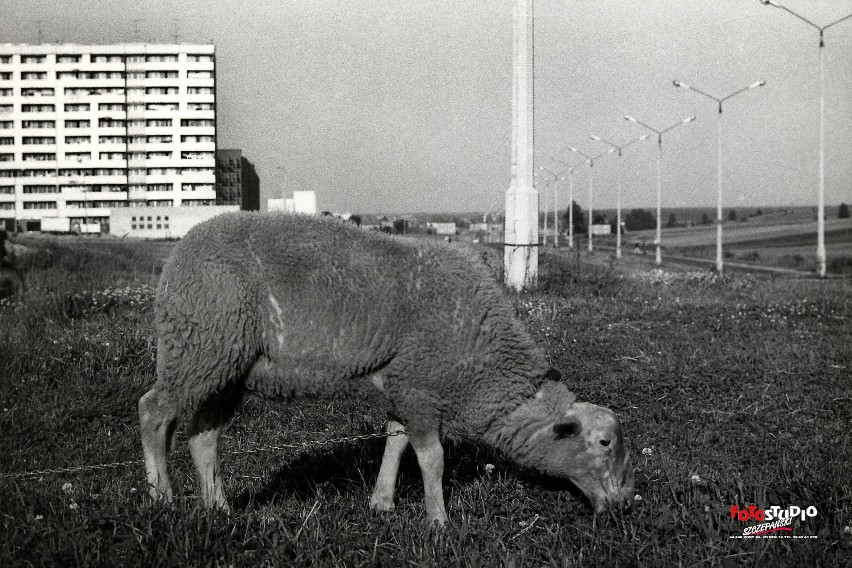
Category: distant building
<point>443,228</point>
<point>86,130</point>
<point>602,229</point>
<point>304,202</point>
<point>162,222</point>
<point>237,182</point>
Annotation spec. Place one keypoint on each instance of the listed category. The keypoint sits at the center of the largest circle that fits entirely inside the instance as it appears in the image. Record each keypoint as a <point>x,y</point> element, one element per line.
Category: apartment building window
<point>136,59</point>
<point>109,188</point>
<point>38,140</point>
<point>158,187</point>
<point>196,74</point>
<point>5,75</point>
<point>5,92</point>
<point>106,58</point>
<point>78,156</point>
<point>60,75</point>
<point>33,58</point>
<point>6,141</point>
<point>197,138</point>
<point>111,139</point>
<point>40,157</point>
<point>31,75</point>
<point>6,109</point>
<point>68,58</point>
<point>7,157</point>
<point>111,106</point>
<point>135,74</point>
<point>161,106</point>
<point>161,90</point>
<point>41,189</point>
<point>7,190</point>
<point>37,92</point>
<point>102,75</point>
<point>199,106</point>
<point>94,91</point>
<point>36,173</point>
<point>159,139</point>
<point>196,202</point>
<point>78,139</point>
<point>197,122</point>
<point>113,155</point>
<point>158,154</point>
<point>197,186</point>
<point>39,205</point>
<point>195,170</point>
<point>106,204</point>
<point>7,206</point>
<point>112,122</point>
<point>38,108</point>
<point>161,74</point>
<point>199,90</point>
<point>77,107</point>
<point>135,122</point>
<point>161,171</point>
<point>164,58</point>
<point>6,125</point>
<point>158,122</point>
<point>5,58</point>
<point>159,203</point>
<point>108,172</point>
<point>8,173</point>
<point>77,123</point>
<point>188,155</point>
<point>38,124</point>
<point>197,58</point>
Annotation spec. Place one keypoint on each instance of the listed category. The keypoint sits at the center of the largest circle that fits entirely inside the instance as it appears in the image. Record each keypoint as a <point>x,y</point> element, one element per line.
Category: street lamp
<point>660,133</point>
<point>570,170</point>
<point>821,203</point>
<point>591,161</point>
<point>754,85</point>
<point>620,181</point>
<point>556,178</point>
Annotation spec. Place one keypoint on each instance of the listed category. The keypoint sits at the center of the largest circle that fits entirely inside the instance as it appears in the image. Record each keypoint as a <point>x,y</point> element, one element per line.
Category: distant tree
<point>843,211</point>
<point>639,220</point>
<point>672,221</point>
<point>580,226</point>
<point>732,215</point>
<point>598,219</point>
<point>400,226</point>
<point>705,220</point>
<point>758,213</point>
<point>356,219</point>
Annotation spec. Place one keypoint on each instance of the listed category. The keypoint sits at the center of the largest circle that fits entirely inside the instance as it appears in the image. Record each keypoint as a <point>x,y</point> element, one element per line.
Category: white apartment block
<point>85,129</point>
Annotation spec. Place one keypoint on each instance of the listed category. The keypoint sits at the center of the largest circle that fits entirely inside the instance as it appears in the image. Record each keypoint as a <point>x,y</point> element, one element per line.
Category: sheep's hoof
<point>382,504</point>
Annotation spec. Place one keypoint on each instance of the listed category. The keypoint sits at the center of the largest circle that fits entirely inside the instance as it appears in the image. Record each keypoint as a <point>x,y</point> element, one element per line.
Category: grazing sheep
<point>288,306</point>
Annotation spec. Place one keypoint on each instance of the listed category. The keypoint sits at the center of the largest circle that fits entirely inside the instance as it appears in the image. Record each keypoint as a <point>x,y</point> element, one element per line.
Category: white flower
<point>695,478</point>
<point>67,488</point>
<point>489,467</point>
<point>73,506</point>
<point>133,490</point>
<point>847,530</point>
<point>40,517</point>
<point>637,497</point>
<point>647,451</point>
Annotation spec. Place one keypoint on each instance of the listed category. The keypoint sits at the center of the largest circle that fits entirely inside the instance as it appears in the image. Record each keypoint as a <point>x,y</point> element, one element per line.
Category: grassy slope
<point>744,383</point>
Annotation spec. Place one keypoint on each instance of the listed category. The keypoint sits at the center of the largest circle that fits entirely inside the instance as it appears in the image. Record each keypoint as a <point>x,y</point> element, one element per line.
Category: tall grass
<point>732,391</point>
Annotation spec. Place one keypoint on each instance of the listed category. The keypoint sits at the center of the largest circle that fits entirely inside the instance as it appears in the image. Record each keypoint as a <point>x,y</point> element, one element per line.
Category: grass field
<point>732,391</point>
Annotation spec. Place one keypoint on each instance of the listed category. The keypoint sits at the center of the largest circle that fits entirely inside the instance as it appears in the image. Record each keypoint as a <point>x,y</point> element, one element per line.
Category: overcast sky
<point>405,105</point>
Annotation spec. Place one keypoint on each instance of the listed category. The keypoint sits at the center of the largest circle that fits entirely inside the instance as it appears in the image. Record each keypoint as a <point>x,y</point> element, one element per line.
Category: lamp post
<point>620,183</point>
<point>719,101</point>
<point>556,178</point>
<point>660,133</point>
<point>570,170</point>
<point>821,199</point>
<point>591,161</point>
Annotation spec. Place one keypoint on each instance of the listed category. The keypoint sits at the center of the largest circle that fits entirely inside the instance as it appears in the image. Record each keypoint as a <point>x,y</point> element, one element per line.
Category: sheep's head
<point>578,441</point>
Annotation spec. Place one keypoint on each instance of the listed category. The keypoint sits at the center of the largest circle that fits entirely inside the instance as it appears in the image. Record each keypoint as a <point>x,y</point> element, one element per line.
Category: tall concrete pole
<point>521,230</point>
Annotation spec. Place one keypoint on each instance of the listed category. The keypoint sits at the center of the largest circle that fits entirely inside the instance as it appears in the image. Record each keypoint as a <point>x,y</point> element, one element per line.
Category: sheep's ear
<point>557,396</point>
<point>553,375</point>
<point>567,429</point>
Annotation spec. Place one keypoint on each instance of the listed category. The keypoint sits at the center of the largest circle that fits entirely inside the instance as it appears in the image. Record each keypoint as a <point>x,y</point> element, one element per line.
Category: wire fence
<point>255,450</point>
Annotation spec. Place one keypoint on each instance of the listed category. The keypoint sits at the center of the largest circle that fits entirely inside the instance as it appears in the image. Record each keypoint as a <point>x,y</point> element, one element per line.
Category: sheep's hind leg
<point>383,494</point>
<point>430,456</point>
<point>203,433</point>
<point>157,413</point>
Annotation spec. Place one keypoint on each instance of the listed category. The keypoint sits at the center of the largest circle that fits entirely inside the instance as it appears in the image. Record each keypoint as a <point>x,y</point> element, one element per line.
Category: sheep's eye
<point>604,443</point>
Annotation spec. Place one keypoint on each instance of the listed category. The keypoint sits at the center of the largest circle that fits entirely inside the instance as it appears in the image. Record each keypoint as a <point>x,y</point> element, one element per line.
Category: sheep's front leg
<point>383,494</point>
<point>430,456</point>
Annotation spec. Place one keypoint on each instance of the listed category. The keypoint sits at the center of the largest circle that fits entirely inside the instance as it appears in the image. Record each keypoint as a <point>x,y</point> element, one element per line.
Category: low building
<point>443,228</point>
<point>602,229</point>
<point>162,222</point>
